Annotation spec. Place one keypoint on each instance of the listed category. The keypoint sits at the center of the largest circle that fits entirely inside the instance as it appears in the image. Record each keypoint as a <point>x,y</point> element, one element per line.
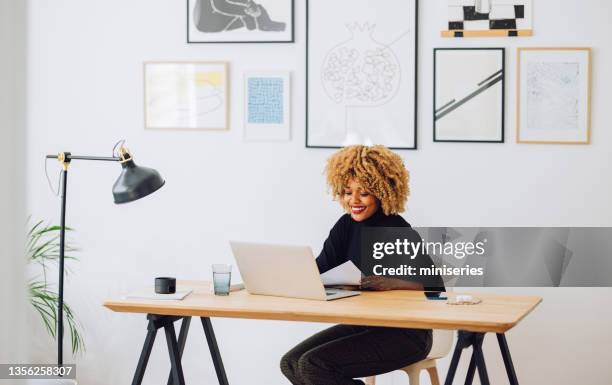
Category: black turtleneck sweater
<point>343,243</point>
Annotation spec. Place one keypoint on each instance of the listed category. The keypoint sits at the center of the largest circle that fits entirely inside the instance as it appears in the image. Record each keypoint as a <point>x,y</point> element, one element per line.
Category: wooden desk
<point>408,309</point>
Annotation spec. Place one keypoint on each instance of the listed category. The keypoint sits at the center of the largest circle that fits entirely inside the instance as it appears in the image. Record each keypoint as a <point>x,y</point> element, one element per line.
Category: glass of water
<point>222,276</point>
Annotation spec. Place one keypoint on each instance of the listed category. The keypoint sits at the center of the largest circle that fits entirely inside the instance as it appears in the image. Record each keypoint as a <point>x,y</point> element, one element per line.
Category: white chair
<point>441,346</point>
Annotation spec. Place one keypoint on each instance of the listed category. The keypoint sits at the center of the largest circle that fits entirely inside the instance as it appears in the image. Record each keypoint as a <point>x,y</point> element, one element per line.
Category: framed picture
<point>554,95</point>
<point>361,73</point>
<point>240,21</point>
<point>267,106</point>
<point>186,95</point>
<point>469,88</point>
<point>489,18</point>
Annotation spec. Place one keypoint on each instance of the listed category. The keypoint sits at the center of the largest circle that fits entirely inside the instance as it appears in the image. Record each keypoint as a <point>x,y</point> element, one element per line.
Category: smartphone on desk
<point>436,296</point>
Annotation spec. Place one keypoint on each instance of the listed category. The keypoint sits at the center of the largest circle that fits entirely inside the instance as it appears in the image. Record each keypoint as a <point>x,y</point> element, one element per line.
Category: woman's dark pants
<point>337,355</point>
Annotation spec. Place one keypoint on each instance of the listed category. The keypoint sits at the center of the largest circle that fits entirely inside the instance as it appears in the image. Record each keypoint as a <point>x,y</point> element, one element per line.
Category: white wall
<point>12,126</point>
<point>85,91</point>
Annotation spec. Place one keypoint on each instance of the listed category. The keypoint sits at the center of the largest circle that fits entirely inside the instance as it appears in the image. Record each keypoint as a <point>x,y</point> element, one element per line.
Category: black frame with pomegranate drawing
<point>379,100</point>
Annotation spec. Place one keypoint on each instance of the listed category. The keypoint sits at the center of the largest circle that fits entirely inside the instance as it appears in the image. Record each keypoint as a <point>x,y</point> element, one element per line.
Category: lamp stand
<point>60,302</point>
<point>65,158</point>
<point>134,182</point>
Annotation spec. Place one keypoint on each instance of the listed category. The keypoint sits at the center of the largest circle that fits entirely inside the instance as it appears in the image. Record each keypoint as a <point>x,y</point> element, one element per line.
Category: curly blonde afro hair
<point>379,170</point>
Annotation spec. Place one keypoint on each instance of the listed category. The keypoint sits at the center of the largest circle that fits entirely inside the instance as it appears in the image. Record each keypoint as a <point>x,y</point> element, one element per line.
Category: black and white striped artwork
<point>469,95</point>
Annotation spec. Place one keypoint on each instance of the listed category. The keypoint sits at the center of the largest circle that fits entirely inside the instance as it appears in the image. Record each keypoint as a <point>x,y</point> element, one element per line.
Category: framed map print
<point>554,95</point>
<point>361,73</point>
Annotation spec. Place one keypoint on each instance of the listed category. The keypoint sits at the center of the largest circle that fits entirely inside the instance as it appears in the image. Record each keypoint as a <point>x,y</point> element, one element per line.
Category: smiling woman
<point>374,170</point>
<point>371,184</point>
<point>361,203</point>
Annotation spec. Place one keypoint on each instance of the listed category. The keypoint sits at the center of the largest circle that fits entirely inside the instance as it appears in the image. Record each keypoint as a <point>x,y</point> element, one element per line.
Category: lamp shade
<point>135,182</point>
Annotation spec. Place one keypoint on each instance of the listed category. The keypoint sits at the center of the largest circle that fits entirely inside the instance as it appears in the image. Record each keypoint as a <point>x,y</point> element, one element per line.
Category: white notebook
<point>149,294</point>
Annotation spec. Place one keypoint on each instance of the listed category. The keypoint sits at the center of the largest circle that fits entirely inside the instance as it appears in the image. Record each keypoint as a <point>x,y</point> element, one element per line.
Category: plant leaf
<point>42,248</point>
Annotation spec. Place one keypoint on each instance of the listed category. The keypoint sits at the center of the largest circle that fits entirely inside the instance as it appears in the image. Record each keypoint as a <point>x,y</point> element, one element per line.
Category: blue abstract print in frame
<point>267,109</point>
<point>265,100</point>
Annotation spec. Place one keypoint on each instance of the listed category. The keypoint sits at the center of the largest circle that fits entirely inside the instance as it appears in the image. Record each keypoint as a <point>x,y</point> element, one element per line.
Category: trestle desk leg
<point>145,354</point>
<point>175,359</point>
<point>505,351</point>
<point>214,350</point>
<point>181,343</point>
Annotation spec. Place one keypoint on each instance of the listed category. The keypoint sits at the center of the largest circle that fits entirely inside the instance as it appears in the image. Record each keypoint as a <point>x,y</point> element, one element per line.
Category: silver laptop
<point>283,271</point>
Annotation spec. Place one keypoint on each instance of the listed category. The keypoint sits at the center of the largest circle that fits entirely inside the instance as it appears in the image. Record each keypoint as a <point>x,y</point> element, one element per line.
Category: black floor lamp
<point>134,182</point>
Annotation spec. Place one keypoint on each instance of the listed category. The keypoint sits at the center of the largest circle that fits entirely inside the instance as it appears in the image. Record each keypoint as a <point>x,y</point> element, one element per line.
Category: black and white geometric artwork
<point>482,18</point>
<point>469,95</point>
<point>239,21</point>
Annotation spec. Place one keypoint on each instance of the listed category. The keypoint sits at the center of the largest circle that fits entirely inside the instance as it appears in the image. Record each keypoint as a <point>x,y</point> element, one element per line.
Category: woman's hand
<point>380,283</point>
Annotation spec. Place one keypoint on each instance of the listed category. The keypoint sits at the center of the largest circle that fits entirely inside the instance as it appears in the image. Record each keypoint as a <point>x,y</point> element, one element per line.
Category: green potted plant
<point>42,252</point>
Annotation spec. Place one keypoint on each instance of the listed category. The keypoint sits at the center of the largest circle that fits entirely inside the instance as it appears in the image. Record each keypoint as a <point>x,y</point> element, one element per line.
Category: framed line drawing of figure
<point>361,73</point>
<point>240,21</point>
<point>469,88</point>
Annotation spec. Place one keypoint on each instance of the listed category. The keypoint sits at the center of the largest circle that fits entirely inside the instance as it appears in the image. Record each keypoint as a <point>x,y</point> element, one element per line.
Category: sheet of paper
<point>345,274</point>
<point>150,294</point>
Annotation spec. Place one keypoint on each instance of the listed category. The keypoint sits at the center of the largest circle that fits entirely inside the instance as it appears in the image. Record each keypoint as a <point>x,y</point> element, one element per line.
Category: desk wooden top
<point>408,309</point>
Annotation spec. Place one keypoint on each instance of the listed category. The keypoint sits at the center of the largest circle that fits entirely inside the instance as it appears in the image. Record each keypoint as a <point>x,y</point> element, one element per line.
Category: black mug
<point>165,285</point>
